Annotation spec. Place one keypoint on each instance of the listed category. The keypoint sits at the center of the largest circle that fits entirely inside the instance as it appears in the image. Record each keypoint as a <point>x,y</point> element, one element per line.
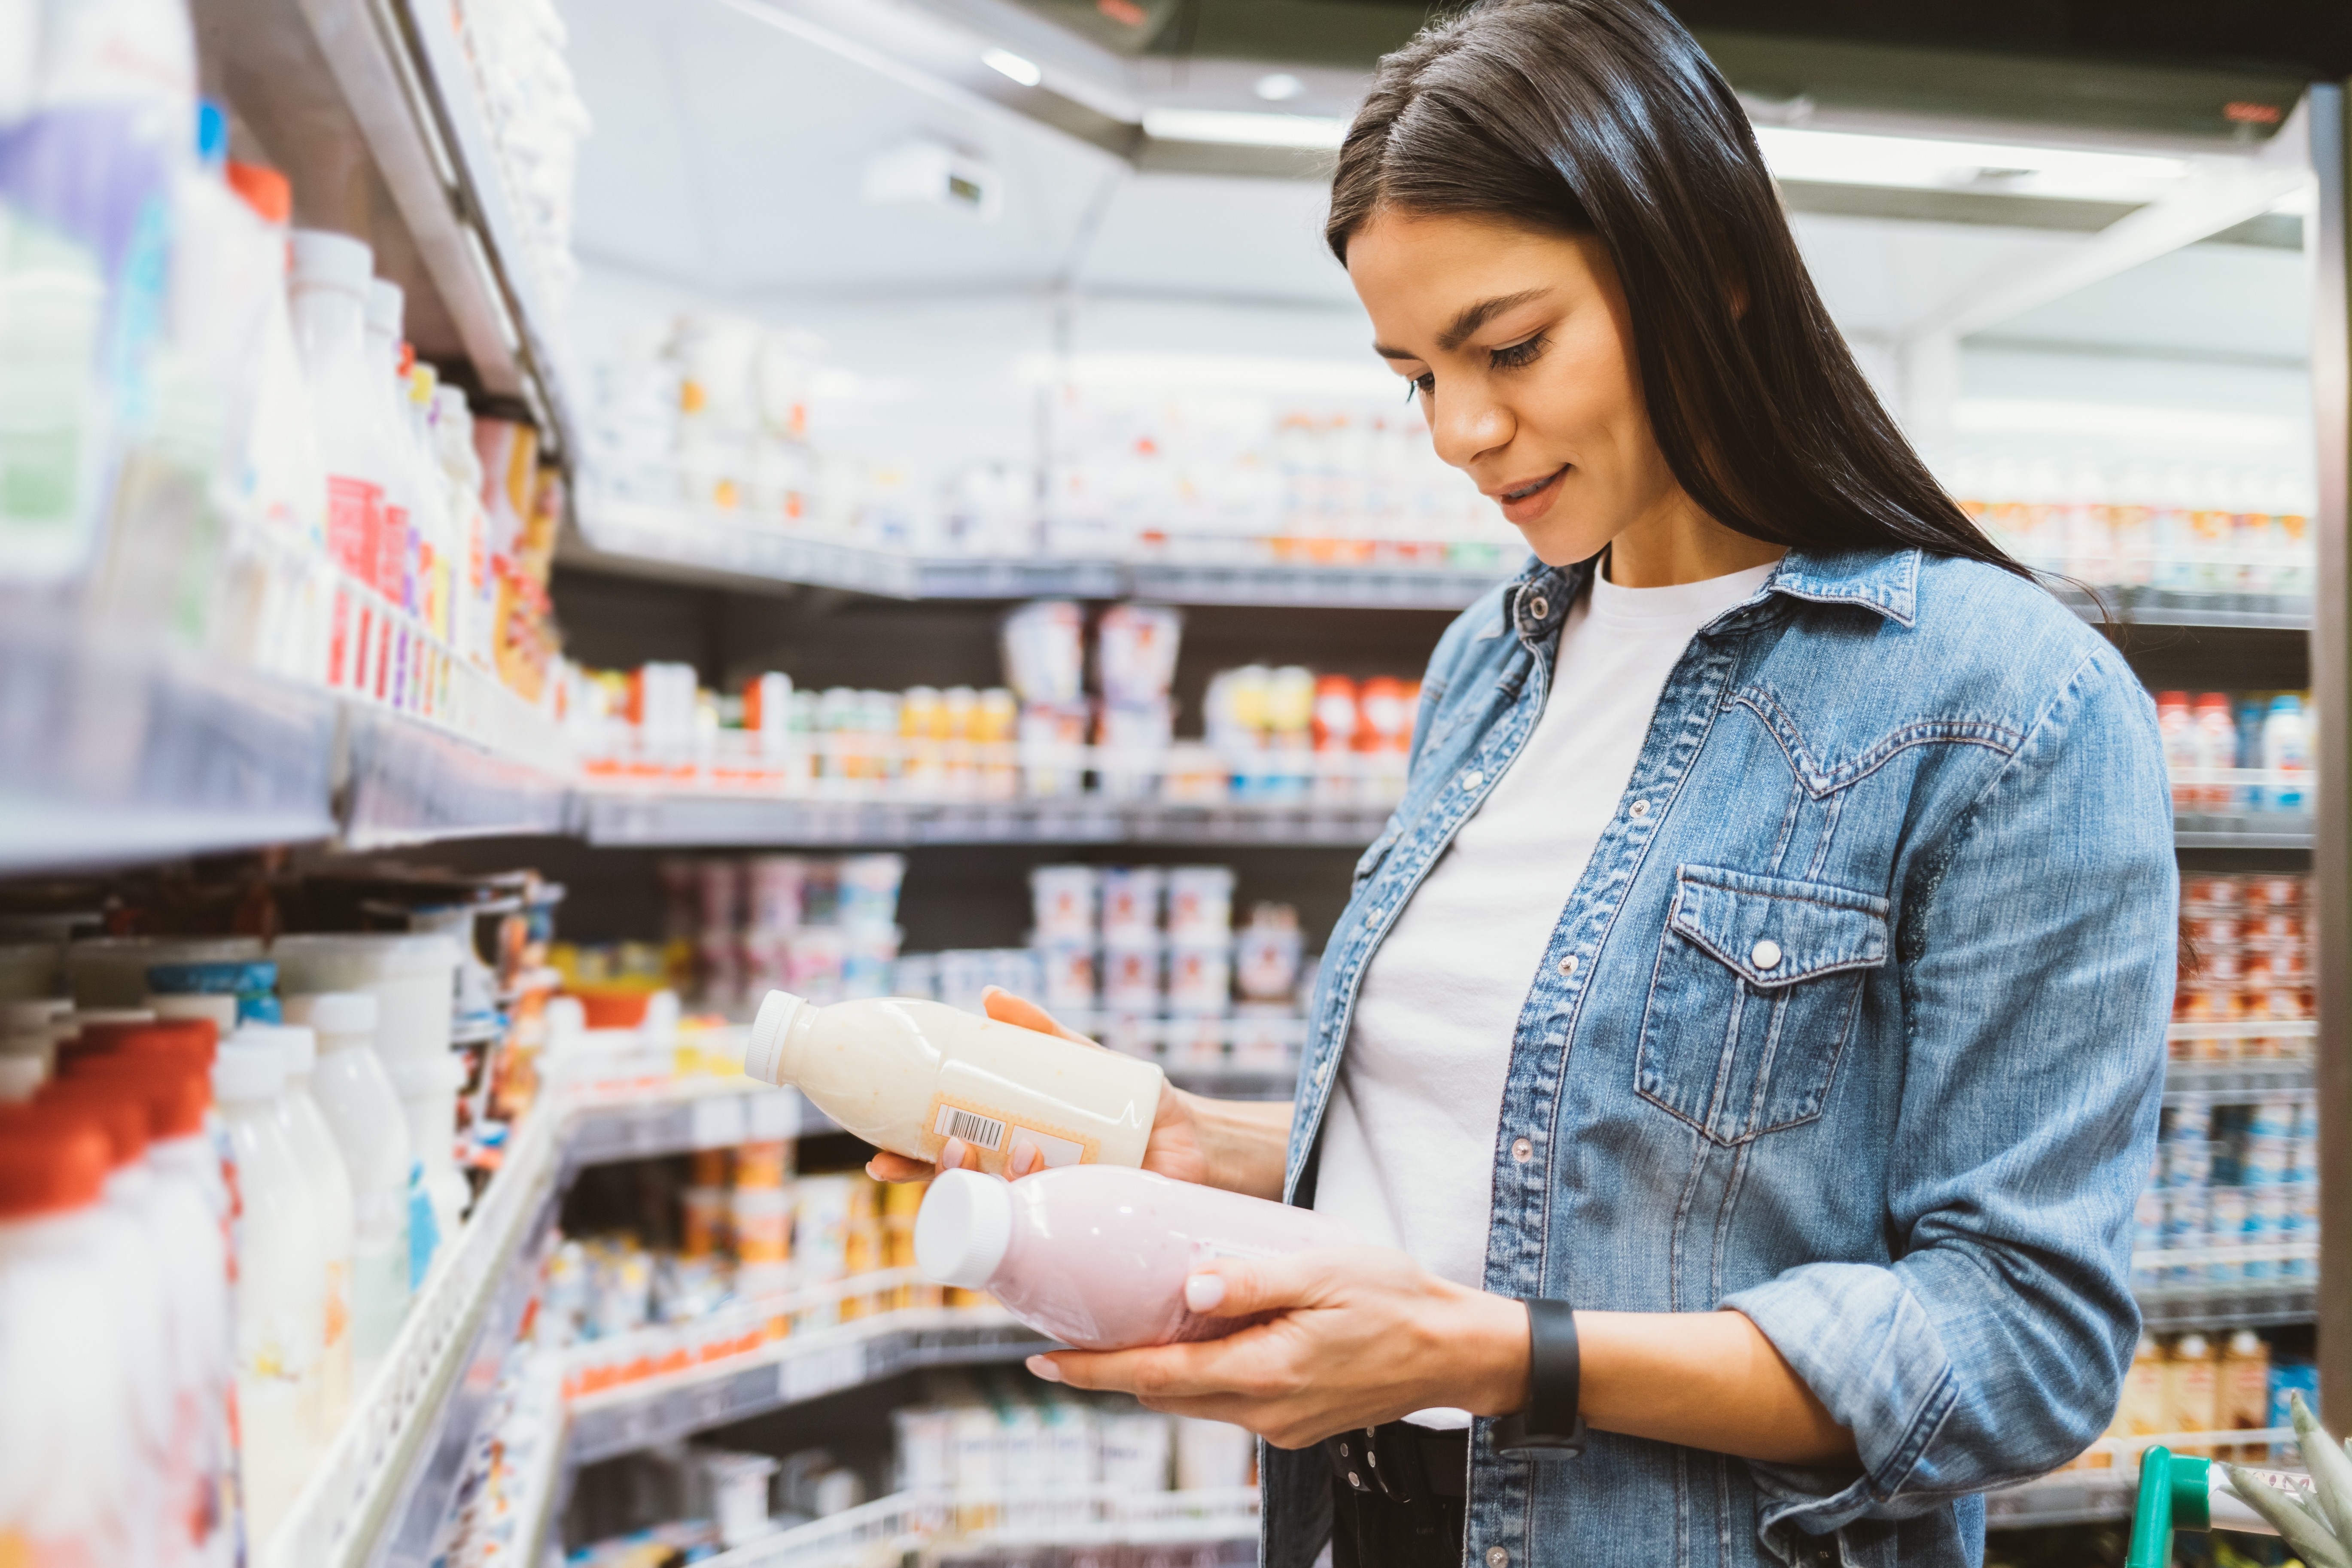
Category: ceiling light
<point>1847,158</point>
<point>1279,87</point>
<point>1004,62</point>
<point>1241,128</point>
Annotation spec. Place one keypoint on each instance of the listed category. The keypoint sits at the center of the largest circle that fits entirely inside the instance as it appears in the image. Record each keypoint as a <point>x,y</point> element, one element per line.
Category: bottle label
<point>353,525</point>
<point>989,1129</point>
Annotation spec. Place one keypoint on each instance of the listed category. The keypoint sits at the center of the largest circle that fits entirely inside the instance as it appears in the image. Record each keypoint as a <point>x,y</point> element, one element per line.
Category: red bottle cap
<point>121,1114</point>
<point>175,1093</point>
<point>50,1160</point>
<point>265,190</point>
<point>197,1038</point>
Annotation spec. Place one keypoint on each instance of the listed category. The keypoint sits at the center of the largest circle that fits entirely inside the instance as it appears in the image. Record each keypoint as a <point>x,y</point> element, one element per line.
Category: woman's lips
<point>1529,502</point>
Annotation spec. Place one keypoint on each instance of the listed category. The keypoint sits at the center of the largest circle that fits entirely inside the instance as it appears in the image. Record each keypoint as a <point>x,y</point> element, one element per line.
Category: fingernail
<point>951,1155</point>
<point>1039,1366</point>
<point>1205,1293</point>
<point>1025,1158</point>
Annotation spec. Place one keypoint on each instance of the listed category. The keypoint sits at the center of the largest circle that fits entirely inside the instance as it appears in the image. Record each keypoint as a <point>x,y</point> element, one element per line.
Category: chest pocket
<point>1753,998</point>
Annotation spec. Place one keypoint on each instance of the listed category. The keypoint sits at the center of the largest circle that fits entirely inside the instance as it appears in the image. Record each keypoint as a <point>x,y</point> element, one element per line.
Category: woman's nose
<point>1463,428</point>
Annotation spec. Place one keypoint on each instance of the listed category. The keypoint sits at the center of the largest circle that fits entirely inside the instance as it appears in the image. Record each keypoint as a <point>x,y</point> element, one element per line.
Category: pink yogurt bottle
<point>1096,1256</point>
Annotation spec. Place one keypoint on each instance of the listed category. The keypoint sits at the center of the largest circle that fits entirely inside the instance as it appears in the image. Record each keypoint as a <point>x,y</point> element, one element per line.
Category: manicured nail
<point>1025,1158</point>
<point>952,1153</point>
<point>1039,1366</point>
<point>1205,1293</point>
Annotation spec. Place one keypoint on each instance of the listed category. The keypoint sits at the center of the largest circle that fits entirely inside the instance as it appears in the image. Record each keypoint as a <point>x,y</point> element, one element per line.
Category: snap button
<point>1568,968</point>
<point>1765,954</point>
<point>1498,1558</point>
<point>1343,1451</point>
<point>1472,779</point>
<point>1638,808</point>
<point>1322,1070</point>
<point>1354,1479</point>
<point>1538,608</point>
<point>1522,1151</point>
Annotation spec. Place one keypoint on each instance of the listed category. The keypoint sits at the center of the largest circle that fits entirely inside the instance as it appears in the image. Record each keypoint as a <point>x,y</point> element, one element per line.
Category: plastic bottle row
<point>2238,753</point>
<point>208,1248</point>
<point>2178,530</point>
<point>2246,956</point>
<point>2232,1178</point>
<point>235,450</point>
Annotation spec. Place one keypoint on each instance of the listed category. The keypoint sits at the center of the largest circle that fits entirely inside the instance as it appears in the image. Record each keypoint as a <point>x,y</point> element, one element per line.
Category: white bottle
<point>330,294</point>
<point>328,1181</point>
<point>356,1096</point>
<point>281,1287</point>
<point>906,1076</point>
<point>65,1426</point>
<point>2287,756</point>
<point>396,555</point>
<point>472,592</point>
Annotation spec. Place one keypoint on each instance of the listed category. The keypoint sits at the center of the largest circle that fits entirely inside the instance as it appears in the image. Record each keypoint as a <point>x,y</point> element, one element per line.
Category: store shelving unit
<point>623,817</point>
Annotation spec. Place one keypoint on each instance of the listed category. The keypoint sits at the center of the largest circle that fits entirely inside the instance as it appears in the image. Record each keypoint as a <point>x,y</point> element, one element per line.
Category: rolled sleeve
<point>2036,956</point>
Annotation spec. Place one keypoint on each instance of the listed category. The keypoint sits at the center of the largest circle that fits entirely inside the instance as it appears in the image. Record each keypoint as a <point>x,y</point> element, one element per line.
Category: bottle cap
<point>49,1160</point>
<point>196,1038</point>
<point>176,1091</point>
<point>295,1044</point>
<point>19,1077</point>
<point>30,1017</point>
<point>265,190</point>
<point>218,1011</point>
<point>763,1059</point>
<point>963,1229</point>
<point>336,1013</point>
<point>247,1071</point>
<point>384,303</point>
<point>324,261</point>
<point>121,1115</point>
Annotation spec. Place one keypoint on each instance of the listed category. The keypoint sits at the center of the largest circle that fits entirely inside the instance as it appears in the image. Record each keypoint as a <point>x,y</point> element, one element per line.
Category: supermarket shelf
<point>408,782</point>
<point>383,1484</point>
<point>699,1114</point>
<point>893,1527</point>
<point>614,816</point>
<point>2108,1491</point>
<point>108,755</point>
<point>334,87</point>
<point>2243,830</point>
<point>2247,1304</point>
<point>632,537</point>
<point>804,1367</point>
<point>2207,612</point>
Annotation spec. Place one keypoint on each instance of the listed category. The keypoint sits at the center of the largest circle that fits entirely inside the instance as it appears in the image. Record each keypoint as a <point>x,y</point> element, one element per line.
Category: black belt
<point>1401,1462</point>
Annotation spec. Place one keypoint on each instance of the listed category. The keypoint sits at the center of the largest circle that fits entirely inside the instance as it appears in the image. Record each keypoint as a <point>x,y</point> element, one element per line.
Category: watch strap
<point>1549,1423</point>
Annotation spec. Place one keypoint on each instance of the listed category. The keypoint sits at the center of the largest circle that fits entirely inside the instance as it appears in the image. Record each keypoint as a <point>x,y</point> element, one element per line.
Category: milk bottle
<point>1098,1259</point>
<point>908,1075</point>
<point>364,1111</point>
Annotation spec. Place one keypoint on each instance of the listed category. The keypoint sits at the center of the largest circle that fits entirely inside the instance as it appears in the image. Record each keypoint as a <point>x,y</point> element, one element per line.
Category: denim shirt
<point>1854,1023</point>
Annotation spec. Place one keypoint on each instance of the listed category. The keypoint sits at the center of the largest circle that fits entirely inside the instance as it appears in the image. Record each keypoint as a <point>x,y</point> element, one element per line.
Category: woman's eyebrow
<point>1468,320</point>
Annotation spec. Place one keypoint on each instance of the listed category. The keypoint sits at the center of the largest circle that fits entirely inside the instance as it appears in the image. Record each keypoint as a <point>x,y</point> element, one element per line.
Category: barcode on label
<point>986,1131</point>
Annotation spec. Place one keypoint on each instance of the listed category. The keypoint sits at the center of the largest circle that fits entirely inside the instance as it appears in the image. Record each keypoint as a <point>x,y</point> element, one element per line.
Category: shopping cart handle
<point>2173,1493</point>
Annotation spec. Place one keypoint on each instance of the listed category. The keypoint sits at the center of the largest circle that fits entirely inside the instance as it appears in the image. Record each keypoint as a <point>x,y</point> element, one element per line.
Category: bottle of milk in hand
<point>906,1076</point>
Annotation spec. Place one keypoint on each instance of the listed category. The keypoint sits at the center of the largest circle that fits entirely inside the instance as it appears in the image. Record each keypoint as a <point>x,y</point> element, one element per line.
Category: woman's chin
<point>1556,541</point>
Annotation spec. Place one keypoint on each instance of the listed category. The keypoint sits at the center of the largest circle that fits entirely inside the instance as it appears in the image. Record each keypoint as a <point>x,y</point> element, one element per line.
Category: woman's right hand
<point>1174,1150</point>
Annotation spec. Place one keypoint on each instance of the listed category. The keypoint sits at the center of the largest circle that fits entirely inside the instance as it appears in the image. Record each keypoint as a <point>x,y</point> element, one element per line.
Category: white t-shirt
<point>1409,1137</point>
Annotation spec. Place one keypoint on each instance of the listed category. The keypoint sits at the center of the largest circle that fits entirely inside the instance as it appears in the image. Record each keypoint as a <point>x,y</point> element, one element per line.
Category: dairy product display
<point>909,1076</point>
<point>362,1113</point>
<point>1098,1259</point>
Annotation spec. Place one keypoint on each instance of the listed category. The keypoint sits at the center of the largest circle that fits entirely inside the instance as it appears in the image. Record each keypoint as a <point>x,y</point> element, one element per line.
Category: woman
<point>1745,1038</point>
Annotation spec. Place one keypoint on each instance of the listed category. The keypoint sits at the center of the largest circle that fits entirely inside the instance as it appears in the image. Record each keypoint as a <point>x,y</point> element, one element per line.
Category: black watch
<point>1549,1424</point>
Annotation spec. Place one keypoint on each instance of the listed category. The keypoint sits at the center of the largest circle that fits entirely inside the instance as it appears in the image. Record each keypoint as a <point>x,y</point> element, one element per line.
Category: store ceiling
<point>730,152</point>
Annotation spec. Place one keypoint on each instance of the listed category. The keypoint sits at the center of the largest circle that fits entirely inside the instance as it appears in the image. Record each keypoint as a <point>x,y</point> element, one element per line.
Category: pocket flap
<point>1775,931</point>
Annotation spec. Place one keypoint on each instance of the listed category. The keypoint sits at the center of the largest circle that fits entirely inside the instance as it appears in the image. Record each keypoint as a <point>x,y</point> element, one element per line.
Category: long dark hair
<point>1603,117</point>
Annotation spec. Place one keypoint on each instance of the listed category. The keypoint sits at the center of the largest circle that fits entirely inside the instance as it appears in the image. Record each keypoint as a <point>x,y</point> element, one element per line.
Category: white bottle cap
<point>19,1077</point>
<point>32,1017</point>
<point>384,303</point>
<point>963,1228</point>
<point>295,1044</point>
<point>221,1010</point>
<point>324,261</point>
<point>763,1059</point>
<point>341,1013</point>
<point>248,1069</point>
<point>422,1079</point>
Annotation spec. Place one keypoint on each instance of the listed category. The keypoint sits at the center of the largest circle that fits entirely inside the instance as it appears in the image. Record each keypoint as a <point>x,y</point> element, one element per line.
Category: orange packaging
<point>764,1165</point>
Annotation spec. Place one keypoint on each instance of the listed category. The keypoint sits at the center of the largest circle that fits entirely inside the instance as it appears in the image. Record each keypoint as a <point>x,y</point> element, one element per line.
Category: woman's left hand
<point>1363,1335</point>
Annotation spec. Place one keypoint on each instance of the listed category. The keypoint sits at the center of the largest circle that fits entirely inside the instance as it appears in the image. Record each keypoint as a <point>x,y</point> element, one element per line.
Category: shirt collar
<point>1884,580</point>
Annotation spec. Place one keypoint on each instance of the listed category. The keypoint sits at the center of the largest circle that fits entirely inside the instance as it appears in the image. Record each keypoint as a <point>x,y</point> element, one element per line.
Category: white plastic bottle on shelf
<point>908,1075</point>
<point>2176,724</point>
<point>2287,756</point>
<point>65,1427</point>
<point>396,552</point>
<point>474,602</point>
<point>363,1110</point>
<point>328,1180</point>
<point>281,1287</point>
<point>176,1201</point>
<point>330,300</point>
<point>2216,751</point>
<point>144,1327</point>
<point>436,523</point>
